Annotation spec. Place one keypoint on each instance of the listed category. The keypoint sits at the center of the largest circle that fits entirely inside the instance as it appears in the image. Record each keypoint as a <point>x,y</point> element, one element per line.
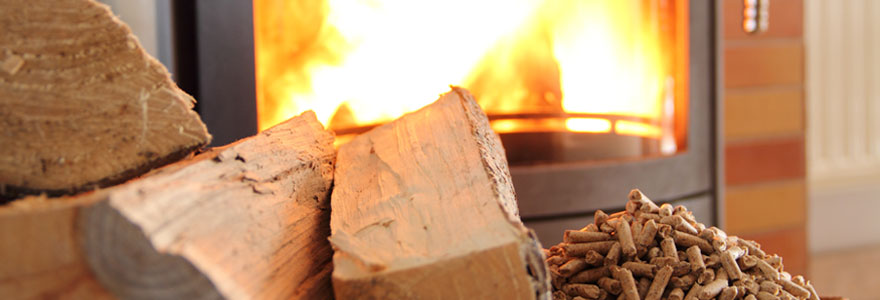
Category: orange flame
<point>571,62</point>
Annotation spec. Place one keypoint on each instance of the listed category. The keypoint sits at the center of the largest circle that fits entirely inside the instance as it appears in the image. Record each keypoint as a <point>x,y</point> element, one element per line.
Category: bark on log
<point>250,220</point>
<point>81,104</point>
<point>423,207</point>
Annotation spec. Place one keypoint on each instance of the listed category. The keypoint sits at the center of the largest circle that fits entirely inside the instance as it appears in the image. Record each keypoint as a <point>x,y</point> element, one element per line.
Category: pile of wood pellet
<point>660,252</point>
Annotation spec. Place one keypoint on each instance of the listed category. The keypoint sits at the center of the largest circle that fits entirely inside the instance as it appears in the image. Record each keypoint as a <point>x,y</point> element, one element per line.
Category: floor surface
<point>851,273</point>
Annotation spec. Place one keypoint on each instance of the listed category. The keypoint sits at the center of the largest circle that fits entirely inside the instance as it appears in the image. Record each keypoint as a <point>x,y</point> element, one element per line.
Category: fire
<point>583,66</point>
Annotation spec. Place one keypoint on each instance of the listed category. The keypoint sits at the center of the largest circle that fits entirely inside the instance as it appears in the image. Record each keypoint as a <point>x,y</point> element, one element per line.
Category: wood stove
<point>567,163</point>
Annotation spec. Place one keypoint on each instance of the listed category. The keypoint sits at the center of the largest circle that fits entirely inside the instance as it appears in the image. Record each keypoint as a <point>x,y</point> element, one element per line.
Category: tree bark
<point>423,208</point>
<point>81,104</point>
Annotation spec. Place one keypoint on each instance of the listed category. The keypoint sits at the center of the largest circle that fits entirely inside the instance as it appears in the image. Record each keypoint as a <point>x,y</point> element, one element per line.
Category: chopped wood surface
<point>423,208</point>
<point>40,253</point>
<point>81,104</point>
<point>250,220</point>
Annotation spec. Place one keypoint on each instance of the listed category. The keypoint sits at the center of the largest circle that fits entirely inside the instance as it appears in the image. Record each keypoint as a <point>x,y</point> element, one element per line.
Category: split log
<point>81,104</point>
<point>250,220</point>
<point>423,207</point>
<point>40,253</point>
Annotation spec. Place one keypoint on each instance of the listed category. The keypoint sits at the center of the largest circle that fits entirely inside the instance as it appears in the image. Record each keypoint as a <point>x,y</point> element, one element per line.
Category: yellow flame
<point>625,127</point>
<point>505,126</point>
<point>595,125</point>
<point>365,62</point>
<point>608,63</point>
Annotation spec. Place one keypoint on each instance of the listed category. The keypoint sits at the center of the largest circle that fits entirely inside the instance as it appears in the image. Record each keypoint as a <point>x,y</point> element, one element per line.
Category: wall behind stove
<point>150,21</point>
<point>765,164</point>
<point>843,97</point>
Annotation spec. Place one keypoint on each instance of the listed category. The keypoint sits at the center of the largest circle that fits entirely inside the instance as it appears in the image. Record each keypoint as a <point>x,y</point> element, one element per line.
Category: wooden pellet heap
<point>660,252</point>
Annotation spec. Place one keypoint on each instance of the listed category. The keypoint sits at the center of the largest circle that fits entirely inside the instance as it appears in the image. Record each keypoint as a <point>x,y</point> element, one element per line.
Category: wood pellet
<point>661,252</point>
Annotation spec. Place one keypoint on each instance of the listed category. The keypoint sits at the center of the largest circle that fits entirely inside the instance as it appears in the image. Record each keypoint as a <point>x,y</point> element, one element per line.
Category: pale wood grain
<point>40,252</point>
<point>423,207</point>
<point>81,104</point>
<point>247,221</point>
<point>764,207</point>
<point>763,113</point>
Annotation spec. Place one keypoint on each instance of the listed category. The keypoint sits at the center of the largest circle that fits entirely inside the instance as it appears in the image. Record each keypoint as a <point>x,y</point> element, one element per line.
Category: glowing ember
<point>571,62</point>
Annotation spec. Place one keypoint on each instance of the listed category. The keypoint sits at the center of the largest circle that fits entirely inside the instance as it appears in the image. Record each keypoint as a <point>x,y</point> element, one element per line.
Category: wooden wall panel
<point>754,208</point>
<point>786,243</point>
<point>764,161</point>
<point>764,122</point>
<point>764,64</point>
<point>763,113</point>
<point>785,20</point>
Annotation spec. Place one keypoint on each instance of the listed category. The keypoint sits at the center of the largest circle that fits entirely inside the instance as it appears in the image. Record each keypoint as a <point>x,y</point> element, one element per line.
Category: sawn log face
<point>82,105</point>
<point>423,208</point>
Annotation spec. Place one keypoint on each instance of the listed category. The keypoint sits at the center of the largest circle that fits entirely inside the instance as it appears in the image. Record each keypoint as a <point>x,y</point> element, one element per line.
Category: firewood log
<point>40,253</point>
<point>247,221</point>
<point>423,208</point>
<point>81,104</point>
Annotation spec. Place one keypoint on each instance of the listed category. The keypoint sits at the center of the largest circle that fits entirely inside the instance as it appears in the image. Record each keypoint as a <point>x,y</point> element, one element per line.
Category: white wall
<point>843,122</point>
<point>150,21</point>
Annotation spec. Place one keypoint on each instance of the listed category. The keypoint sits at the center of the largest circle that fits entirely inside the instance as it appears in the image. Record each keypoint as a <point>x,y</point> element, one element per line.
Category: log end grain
<point>124,260</point>
<point>250,220</point>
<point>83,105</point>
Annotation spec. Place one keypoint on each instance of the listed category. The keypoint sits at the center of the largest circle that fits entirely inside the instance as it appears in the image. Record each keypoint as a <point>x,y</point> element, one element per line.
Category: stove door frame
<point>689,174</point>
<point>551,195</point>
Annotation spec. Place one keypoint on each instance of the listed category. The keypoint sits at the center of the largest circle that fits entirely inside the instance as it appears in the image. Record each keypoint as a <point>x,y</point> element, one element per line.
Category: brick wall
<point>764,131</point>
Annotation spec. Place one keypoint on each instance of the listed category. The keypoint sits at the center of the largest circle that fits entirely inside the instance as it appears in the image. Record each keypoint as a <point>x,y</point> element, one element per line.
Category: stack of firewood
<point>113,197</point>
<point>662,252</point>
<point>86,118</point>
